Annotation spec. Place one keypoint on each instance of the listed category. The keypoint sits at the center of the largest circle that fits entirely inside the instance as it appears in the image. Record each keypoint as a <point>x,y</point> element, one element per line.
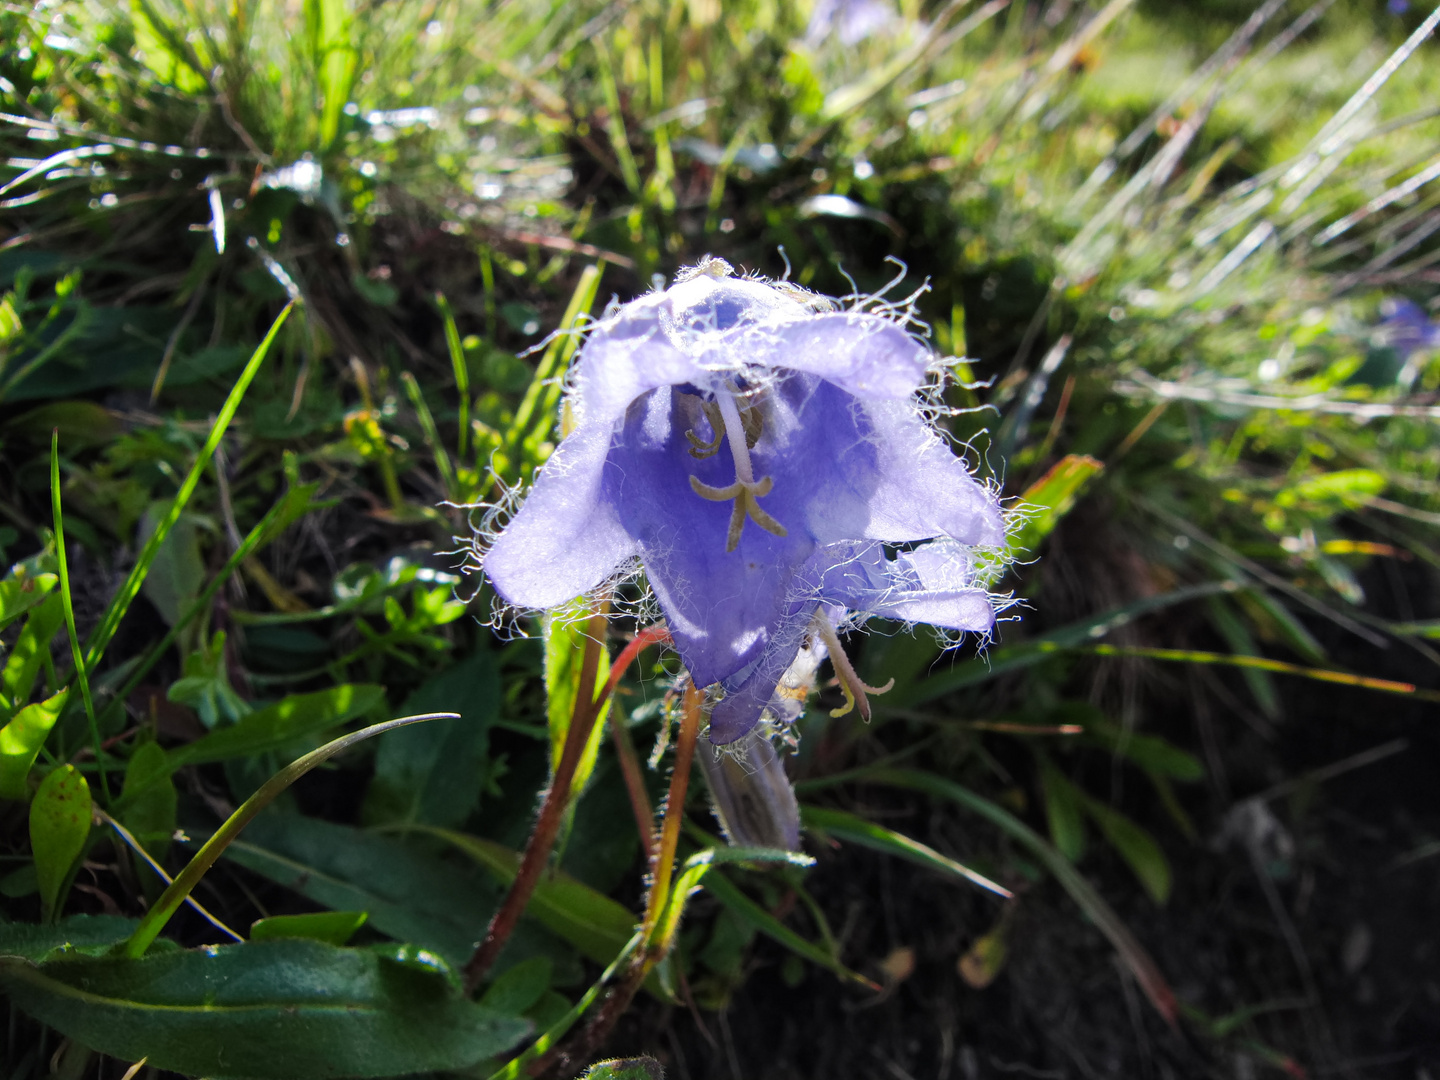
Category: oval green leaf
<point>20,741</point>
<point>149,797</point>
<point>273,1010</point>
<point>59,827</point>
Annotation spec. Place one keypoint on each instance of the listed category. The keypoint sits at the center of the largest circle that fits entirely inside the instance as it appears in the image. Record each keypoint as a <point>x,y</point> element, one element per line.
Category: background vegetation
<point>1190,256</point>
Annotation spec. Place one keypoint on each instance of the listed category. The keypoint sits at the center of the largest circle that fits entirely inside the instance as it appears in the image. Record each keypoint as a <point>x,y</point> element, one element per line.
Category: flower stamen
<point>851,686</point>
<point>699,448</point>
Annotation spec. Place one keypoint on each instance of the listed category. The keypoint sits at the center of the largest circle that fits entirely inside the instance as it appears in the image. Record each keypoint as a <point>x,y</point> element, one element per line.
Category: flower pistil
<point>746,490</point>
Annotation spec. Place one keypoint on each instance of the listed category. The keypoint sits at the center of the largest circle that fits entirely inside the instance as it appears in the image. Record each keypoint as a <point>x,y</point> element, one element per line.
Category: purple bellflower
<point>756,450</point>
<point>1406,328</point>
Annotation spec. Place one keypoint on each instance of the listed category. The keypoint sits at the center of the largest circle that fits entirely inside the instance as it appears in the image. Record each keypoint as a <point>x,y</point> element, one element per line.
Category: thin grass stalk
<point>432,434</point>
<point>82,675</point>
<point>462,374</point>
<point>540,397</point>
<point>135,846</point>
<point>185,882</point>
<point>131,588</point>
<point>1259,663</point>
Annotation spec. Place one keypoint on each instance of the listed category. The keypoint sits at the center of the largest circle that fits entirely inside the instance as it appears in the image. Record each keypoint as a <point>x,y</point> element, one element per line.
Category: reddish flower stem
<point>552,810</point>
<point>663,867</point>
<point>565,1058</point>
<point>625,748</point>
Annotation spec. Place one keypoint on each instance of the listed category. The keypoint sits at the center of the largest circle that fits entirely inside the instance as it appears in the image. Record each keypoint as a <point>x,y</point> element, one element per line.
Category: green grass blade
<point>462,373</point>
<point>543,393</point>
<point>857,830</point>
<point>692,875</point>
<point>432,434</point>
<point>131,588</point>
<point>185,882</point>
<point>515,1068</point>
<point>1257,663</point>
<point>615,127</point>
<point>82,673</point>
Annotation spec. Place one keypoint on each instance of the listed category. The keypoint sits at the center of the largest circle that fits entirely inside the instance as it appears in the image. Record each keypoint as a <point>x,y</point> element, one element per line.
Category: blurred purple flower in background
<point>756,449</point>
<point>1406,328</point>
<point>851,21</point>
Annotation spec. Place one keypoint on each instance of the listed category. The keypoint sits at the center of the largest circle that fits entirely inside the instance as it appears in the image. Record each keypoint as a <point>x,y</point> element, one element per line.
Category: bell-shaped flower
<point>756,450</point>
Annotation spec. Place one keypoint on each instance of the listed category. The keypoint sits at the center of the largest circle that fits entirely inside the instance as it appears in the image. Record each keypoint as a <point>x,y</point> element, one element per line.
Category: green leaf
<point>205,685</point>
<point>298,500</point>
<point>288,719</point>
<point>59,827</point>
<point>31,648</point>
<point>1063,811</point>
<point>858,830</point>
<point>22,589</point>
<point>410,896</point>
<point>1237,635</point>
<point>1136,846</point>
<point>565,637</point>
<point>519,988</point>
<point>432,773</point>
<point>20,742</point>
<point>93,934</point>
<point>636,1068</point>
<point>1050,498</point>
<point>331,927</point>
<point>273,1010</point>
<point>592,922</point>
<point>1350,488</point>
<point>1150,752</point>
<point>148,799</point>
<point>178,571</point>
